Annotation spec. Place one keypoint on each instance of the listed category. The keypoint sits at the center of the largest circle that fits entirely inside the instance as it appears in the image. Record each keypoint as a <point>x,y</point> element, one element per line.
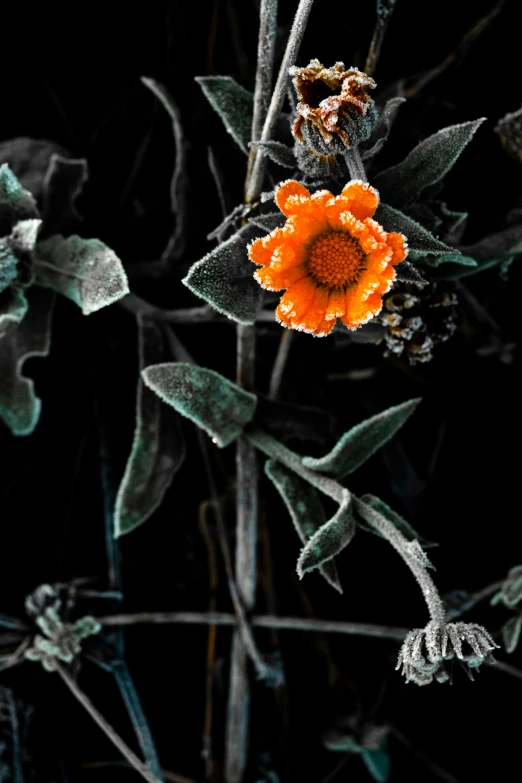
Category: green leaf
<point>377,762</point>
<point>425,165</point>
<point>330,539</point>
<point>158,448</point>
<point>277,152</point>
<point>419,238</point>
<point>15,202</point>
<point>233,103</point>
<point>511,633</point>
<point>450,258</point>
<point>205,397</point>
<point>392,516</point>
<point>13,307</point>
<point>19,406</point>
<point>84,270</point>
<point>269,221</point>
<point>225,278</point>
<point>305,508</point>
<point>358,444</point>
<point>407,273</point>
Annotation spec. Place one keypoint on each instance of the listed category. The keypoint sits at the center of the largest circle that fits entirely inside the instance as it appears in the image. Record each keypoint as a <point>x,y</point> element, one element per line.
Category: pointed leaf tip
<point>362,441</point>
<point>233,104</point>
<point>204,396</point>
<point>330,539</point>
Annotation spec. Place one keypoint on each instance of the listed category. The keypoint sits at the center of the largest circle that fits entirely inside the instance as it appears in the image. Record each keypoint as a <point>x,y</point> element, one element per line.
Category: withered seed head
<point>334,110</point>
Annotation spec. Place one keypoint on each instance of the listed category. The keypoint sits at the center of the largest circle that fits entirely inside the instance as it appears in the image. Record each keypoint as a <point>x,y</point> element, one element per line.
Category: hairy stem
<point>278,96</point>
<point>106,727</point>
<point>280,363</point>
<point>384,12</point>
<point>355,164</point>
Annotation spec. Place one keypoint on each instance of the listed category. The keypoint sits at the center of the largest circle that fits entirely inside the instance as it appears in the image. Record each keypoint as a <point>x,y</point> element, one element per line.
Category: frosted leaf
<point>425,165</point>
<point>29,160</point>
<point>269,221</point>
<point>305,508</point>
<point>382,130</point>
<point>24,234</point>
<point>15,202</point>
<point>19,406</point>
<point>419,238</point>
<point>225,278</point>
<point>330,539</point>
<point>84,270</point>
<point>408,273</point>
<point>277,152</point>
<point>415,549</point>
<point>511,633</point>
<point>362,441</point>
<point>8,265</point>
<point>158,447</point>
<point>233,103</point>
<point>204,396</point>
<point>450,258</point>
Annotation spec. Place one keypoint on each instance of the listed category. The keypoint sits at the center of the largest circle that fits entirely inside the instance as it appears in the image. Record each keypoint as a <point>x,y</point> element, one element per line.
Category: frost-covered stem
<point>418,569</point>
<point>384,12</point>
<point>254,185</point>
<point>106,727</point>
<point>280,363</point>
<point>355,164</point>
<point>265,66</point>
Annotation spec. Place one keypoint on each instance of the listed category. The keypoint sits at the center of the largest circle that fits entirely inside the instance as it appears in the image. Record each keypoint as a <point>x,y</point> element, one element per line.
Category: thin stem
<point>355,164</point>
<point>259,621</point>
<point>292,48</point>
<point>280,362</point>
<point>474,599</point>
<point>106,727</point>
<point>384,12</point>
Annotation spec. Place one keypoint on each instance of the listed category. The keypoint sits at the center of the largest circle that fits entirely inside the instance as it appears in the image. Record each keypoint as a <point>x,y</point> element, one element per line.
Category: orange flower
<point>334,260</point>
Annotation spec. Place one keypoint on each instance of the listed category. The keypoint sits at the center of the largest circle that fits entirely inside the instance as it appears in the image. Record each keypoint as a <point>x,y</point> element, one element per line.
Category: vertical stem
<point>280,363</point>
<point>355,164</point>
<point>384,12</point>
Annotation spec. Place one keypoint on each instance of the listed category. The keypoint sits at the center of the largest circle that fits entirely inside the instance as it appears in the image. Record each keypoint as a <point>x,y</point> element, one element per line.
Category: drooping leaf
<point>450,258</point>
<point>225,278</point>
<point>382,130</point>
<point>233,103</point>
<point>377,762</point>
<point>419,238</point>
<point>277,152</point>
<point>511,633</point>
<point>358,444</point>
<point>269,221</point>
<point>204,396</point>
<point>13,307</point>
<point>425,165</point>
<point>407,273</point>
<point>84,270</point>
<point>330,539</point>
<point>19,406</point>
<point>176,243</point>
<point>63,183</point>
<point>305,508</point>
<point>158,448</point>
<point>15,202</point>
<point>396,519</point>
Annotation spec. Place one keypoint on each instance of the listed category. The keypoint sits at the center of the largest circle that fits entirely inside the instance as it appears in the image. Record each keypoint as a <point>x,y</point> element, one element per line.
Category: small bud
<point>334,110</point>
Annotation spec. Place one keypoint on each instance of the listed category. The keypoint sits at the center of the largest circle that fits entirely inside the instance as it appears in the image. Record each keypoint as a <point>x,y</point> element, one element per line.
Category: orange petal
<point>399,246</point>
<point>379,259</point>
<point>276,279</point>
<point>336,305</point>
<point>358,230</point>
<point>324,328</point>
<point>261,251</point>
<point>297,299</point>
<point>363,199</point>
<point>285,193</point>
<point>304,228</point>
<point>315,314</point>
<point>386,279</point>
<point>376,230</point>
<point>358,310</point>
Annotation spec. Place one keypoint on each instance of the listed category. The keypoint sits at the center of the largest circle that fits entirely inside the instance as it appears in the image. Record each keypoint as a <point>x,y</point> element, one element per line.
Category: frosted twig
<point>384,12</point>
<point>280,363</point>
<point>355,165</point>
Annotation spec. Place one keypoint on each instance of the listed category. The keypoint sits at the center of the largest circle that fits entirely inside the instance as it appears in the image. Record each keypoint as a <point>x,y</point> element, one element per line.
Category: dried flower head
<point>334,260</point>
<point>334,109</point>
<point>509,129</point>
<point>425,652</point>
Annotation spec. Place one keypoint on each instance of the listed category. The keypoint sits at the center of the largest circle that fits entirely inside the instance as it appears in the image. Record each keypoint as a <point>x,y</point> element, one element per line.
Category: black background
<point>74,77</point>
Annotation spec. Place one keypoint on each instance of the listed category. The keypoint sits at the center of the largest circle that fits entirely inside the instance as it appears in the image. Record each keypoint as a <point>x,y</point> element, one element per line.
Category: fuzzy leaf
<point>13,307</point>
<point>233,103</point>
<point>205,397</point>
<point>377,762</point>
<point>158,448</point>
<point>225,278</point>
<point>277,152</point>
<point>358,444</point>
<point>305,508</point>
<point>383,127</point>
<point>420,240</point>
<point>407,273</point>
<point>392,516</point>
<point>330,539</point>
<point>15,202</point>
<point>24,235</point>
<point>511,633</point>
<point>19,406</point>
<point>8,264</point>
<point>63,183</point>
<point>269,221</point>
<point>425,165</point>
<point>450,258</point>
<point>84,270</point>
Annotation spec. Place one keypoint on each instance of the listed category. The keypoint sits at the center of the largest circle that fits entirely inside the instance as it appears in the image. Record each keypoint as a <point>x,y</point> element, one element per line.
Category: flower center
<point>336,259</point>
